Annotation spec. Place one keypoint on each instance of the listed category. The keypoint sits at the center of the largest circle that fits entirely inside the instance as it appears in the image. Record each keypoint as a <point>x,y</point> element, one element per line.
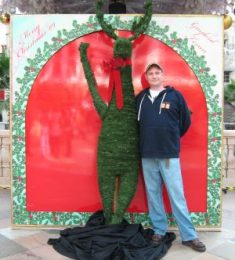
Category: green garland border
<point>212,218</point>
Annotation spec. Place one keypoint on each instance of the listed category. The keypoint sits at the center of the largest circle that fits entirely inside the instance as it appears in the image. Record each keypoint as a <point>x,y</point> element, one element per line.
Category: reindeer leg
<point>106,188</point>
<point>127,188</point>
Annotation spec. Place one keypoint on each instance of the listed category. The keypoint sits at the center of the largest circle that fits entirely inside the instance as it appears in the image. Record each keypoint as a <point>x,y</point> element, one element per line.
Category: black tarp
<point>97,241</point>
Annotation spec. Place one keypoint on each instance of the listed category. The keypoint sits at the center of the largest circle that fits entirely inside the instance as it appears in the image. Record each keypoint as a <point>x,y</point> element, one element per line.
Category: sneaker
<point>195,244</point>
<point>157,239</point>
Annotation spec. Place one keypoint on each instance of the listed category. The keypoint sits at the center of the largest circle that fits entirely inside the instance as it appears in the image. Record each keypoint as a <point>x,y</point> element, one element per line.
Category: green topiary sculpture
<point>118,155</point>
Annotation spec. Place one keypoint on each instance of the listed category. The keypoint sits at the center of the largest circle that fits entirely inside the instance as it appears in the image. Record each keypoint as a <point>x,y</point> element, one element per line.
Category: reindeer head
<point>123,46</point>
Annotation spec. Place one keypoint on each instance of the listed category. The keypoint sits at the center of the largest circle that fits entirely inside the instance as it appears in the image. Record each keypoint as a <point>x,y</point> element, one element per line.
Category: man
<point>163,118</point>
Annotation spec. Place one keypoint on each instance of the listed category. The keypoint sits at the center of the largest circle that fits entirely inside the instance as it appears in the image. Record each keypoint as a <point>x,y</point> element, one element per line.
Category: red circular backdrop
<point>62,126</point>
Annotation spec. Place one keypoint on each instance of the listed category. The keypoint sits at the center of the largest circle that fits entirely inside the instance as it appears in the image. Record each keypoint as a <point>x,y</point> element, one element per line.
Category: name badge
<point>166,105</point>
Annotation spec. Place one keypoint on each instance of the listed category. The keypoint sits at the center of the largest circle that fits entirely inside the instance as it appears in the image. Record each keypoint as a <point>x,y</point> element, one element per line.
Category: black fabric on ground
<point>97,241</point>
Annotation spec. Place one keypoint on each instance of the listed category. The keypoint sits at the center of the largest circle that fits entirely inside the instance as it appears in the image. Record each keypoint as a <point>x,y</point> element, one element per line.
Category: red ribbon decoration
<point>115,79</point>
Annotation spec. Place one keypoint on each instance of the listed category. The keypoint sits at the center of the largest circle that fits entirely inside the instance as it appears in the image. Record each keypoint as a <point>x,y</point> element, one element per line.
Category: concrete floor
<point>32,244</point>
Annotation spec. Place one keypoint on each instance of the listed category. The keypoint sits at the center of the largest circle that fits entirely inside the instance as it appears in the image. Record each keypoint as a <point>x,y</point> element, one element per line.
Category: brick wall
<point>229,159</point>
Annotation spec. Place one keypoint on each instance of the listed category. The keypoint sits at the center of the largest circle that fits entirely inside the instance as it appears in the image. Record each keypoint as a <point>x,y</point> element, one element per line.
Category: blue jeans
<point>156,171</point>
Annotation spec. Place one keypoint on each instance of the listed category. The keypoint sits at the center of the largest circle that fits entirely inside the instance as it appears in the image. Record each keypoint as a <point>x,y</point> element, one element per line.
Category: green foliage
<point>98,102</point>
<point>100,16</point>
<point>4,71</point>
<point>4,104</point>
<point>4,79</point>
<point>229,97</point>
<point>141,25</point>
<point>229,92</point>
<point>118,141</point>
<point>122,48</point>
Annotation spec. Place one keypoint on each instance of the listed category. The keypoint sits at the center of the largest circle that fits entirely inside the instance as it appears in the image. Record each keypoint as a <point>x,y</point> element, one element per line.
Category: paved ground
<point>32,244</point>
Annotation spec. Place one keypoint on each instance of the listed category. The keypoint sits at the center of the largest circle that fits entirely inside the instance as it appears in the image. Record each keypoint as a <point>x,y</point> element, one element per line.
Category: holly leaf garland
<point>208,82</point>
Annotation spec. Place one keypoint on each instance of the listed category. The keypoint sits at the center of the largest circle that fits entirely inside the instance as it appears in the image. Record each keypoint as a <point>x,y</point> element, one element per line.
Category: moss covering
<point>118,155</point>
<point>122,48</point>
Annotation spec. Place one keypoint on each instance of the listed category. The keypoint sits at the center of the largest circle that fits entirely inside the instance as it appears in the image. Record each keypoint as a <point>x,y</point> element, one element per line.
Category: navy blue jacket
<point>162,123</point>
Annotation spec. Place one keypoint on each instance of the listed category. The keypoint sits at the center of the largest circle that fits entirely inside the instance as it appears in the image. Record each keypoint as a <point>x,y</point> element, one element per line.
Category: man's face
<point>155,77</point>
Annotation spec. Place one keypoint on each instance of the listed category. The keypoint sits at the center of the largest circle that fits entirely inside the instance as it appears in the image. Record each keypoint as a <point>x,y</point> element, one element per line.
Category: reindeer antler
<point>140,25</point>
<point>100,16</point>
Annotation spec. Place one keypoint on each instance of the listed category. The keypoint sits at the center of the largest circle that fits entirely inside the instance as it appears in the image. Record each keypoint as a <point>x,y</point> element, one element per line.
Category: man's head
<point>153,65</point>
<point>154,75</point>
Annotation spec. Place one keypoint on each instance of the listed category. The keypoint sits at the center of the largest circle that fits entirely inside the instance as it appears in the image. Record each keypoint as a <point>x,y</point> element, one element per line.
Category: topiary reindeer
<point>117,155</point>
